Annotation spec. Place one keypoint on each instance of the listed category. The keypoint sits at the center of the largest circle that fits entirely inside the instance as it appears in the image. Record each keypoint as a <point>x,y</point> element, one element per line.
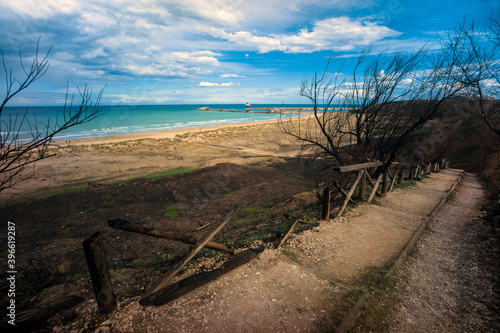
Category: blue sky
<point>209,51</point>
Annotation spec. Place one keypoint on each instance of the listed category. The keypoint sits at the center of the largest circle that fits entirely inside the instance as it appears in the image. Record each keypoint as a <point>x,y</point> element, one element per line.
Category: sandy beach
<point>104,160</point>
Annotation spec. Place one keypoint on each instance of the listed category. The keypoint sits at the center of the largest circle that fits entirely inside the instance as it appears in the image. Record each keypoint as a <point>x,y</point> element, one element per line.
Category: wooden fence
<point>163,291</point>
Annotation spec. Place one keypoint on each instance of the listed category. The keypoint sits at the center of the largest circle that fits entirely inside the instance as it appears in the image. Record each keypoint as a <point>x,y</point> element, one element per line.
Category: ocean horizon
<point>129,119</point>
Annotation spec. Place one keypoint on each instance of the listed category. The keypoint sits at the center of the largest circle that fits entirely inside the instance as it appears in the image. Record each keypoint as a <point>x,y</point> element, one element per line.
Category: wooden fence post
<point>99,273</point>
<point>326,204</point>
<point>362,186</point>
<point>400,174</point>
<point>385,180</point>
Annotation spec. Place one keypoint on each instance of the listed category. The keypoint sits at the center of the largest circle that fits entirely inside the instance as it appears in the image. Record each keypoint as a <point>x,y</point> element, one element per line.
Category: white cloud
<point>211,84</point>
<point>338,34</point>
<point>230,75</point>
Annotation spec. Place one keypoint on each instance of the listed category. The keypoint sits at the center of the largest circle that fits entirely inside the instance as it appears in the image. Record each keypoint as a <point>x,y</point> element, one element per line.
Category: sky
<point>208,51</point>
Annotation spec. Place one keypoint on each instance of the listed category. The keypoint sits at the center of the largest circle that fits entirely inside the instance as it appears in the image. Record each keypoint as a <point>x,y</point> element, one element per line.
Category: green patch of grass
<point>167,173</point>
<point>172,211</point>
<point>4,254</point>
<point>247,211</point>
<point>70,224</point>
<point>227,191</point>
<point>291,255</point>
<point>406,184</point>
<point>92,209</point>
<point>105,204</point>
<point>155,175</point>
<point>60,191</point>
<point>300,177</point>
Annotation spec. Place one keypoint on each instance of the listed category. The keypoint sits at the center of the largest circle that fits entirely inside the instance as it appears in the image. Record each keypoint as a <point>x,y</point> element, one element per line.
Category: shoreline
<point>122,157</point>
<point>165,134</point>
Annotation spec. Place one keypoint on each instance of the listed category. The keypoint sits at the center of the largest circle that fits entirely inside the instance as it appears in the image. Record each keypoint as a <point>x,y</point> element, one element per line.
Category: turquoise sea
<point>127,119</point>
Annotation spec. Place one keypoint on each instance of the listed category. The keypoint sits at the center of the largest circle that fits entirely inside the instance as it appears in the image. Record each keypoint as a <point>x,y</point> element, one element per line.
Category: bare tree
<point>475,52</point>
<point>18,154</point>
<point>372,113</point>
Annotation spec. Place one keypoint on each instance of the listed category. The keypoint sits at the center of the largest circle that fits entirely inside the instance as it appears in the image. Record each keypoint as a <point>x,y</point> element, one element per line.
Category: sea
<point>126,119</point>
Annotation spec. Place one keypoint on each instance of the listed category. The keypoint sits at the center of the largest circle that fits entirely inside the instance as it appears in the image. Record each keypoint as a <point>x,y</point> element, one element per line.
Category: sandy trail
<point>450,288</point>
<point>276,294</point>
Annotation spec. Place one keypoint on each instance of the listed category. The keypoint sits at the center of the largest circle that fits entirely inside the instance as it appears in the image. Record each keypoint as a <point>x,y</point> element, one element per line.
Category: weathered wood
<point>196,248</point>
<point>351,191</point>
<point>370,180</point>
<point>392,182</point>
<point>35,318</point>
<point>140,229</point>
<point>341,189</point>
<point>325,215</point>
<point>385,180</point>
<point>374,190</point>
<point>357,167</point>
<point>99,272</point>
<point>400,174</point>
<point>353,314</point>
<point>412,172</point>
<point>362,187</point>
<point>182,287</point>
<point>287,233</point>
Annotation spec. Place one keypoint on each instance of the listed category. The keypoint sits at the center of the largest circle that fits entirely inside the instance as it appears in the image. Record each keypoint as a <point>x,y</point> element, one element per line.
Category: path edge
<point>351,317</point>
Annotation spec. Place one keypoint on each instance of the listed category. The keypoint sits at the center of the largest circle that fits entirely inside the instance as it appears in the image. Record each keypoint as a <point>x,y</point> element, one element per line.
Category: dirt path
<point>293,289</point>
<point>451,285</point>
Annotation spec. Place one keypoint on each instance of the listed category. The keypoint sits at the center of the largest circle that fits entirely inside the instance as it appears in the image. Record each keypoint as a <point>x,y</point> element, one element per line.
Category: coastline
<point>90,161</point>
<point>165,134</point>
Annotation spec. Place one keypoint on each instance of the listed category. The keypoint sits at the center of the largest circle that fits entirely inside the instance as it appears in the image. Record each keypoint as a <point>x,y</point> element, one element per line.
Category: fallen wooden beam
<point>140,229</point>
<point>99,273</point>
<point>35,318</point>
<point>287,233</point>
<point>196,248</point>
<point>182,287</point>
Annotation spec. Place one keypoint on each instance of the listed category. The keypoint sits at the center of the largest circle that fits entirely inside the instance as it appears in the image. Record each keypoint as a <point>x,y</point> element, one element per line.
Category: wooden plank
<point>287,233</point>
<point>385,180</point>
<point>374,190</point>
<point>182,287</point>
<point>35,318</point>
<point>351,191</point>
<point>400,174</point>
<point>342,191</point>
<point>357,167</point>
<point>325,214</point>
<point>196,248</point>
<point>392,182</point>
<point>362,187</point>
<point>353,314</point>
<point>370,180</point>
<point>140,229</point>
<point>99,273</point>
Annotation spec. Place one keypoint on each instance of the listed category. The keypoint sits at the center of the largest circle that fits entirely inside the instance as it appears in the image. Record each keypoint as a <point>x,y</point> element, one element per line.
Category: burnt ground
<point>50,231</point>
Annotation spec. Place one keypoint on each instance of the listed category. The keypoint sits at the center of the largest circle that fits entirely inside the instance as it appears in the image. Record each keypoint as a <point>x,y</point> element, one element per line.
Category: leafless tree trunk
<point>475,51</point>
<point>16,154</point>
<point>372,113</point>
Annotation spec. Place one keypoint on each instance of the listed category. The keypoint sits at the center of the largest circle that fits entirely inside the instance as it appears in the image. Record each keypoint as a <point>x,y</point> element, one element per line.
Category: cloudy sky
<point>208,51</point>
